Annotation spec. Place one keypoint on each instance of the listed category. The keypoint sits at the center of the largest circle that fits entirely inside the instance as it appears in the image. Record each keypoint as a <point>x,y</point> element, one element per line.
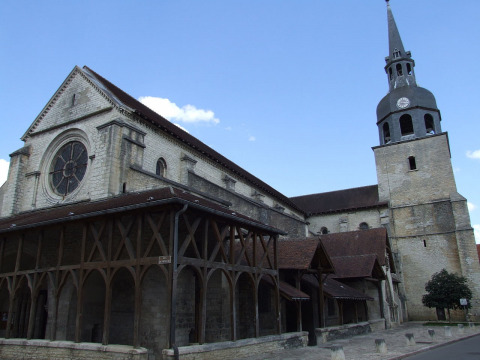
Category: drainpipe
<point>173,307</point>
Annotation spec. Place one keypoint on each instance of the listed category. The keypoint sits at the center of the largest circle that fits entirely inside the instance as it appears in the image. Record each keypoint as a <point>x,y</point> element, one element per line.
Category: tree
<point>445,290</point>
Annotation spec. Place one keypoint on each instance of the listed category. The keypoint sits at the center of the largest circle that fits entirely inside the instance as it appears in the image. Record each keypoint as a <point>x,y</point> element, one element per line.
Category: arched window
<point>429,124</point>
<point>409,69</point>
<point>390,73</point>
<point>161,169</point>
<point>399,70</point>
<point>406,125</point>
<point>412,163</point>
<point>386,133</point>
<point>363,226</point>
<point>324,230</point>
<point>396,53</point>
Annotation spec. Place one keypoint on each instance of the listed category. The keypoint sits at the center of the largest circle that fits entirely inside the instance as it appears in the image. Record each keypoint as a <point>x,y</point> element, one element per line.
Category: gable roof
<point>152,118</point>
<point>358,253</point>
<point>303,254</point>
<point>340,200</point>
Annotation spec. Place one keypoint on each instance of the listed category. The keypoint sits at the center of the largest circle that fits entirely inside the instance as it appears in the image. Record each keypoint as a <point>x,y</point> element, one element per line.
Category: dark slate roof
<point>121,203</point>
<point>358,252</point>
<point>336,289</point>
<point>157,120</point>
<point>340,200</point>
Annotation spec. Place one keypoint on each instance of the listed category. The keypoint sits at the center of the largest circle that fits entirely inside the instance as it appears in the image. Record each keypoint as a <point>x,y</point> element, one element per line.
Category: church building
<point>119,228</point>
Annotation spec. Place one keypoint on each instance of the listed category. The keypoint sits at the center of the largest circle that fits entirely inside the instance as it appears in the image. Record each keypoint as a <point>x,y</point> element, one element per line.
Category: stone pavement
<point>363,346</point>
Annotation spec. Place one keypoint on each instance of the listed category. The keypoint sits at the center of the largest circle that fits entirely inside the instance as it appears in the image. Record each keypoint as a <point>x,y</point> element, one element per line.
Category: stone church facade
<point>117,227</point>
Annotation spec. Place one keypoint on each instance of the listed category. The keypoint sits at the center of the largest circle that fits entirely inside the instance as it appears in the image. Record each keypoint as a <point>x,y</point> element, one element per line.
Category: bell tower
<point>428,220</point>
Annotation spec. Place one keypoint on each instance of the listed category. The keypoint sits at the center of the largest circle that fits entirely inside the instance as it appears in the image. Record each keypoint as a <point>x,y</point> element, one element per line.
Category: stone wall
<point>347,220</point>
<point>19,349</point>
<point>240,348</point>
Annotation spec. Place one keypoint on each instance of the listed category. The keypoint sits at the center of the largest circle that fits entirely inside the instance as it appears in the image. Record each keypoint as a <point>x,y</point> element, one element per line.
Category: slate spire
<point>399,65</point>
<point>394,39</point>
<point>408,111</point>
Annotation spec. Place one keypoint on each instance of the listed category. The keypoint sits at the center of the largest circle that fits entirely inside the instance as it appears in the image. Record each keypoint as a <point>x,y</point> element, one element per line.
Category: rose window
<point>68,167</point>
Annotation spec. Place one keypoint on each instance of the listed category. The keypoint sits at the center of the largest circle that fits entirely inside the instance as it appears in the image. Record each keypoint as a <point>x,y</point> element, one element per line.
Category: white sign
<point>164,260</point>
<point>463,302</point>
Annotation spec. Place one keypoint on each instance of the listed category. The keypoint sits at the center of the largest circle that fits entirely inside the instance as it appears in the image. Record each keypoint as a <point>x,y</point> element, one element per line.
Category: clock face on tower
<point>403,103</point>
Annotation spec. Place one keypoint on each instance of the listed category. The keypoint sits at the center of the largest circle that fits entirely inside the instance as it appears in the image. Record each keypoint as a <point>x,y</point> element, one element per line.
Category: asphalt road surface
<point>468,349</point>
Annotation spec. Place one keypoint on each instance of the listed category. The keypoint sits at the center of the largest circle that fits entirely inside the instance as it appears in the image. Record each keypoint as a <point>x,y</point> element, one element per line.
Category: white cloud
<point>186,114</point>
<point>476,229</point>
<point>3,171</point>
<point>473,154</point>
<point>471,206</point>
<point>252,138</point>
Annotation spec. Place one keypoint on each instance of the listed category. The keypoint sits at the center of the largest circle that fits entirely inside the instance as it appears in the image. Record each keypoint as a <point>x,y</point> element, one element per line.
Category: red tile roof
<point>478,251</point>
<point>358,253</point>
<point>303,254</point>
<point>341,200</point>
<point>157,120</point>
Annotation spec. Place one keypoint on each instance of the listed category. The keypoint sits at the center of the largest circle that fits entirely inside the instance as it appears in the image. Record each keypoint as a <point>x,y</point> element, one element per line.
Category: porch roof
<point>335,289</point>
<point>288,291</point>
<point>121,203</point>
<point>303,254</point>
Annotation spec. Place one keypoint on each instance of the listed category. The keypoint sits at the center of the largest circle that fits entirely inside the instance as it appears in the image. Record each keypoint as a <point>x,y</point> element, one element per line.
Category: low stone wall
<point>239,348</point>
<point>344,331</point>
<point>13,349</point>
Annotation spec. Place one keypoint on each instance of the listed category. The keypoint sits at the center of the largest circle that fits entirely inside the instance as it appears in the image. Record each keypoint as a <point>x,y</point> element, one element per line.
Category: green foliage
<point>445,290</point>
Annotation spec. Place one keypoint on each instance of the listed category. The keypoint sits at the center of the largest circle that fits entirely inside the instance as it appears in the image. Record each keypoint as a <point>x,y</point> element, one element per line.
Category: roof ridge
<point>148,114</point>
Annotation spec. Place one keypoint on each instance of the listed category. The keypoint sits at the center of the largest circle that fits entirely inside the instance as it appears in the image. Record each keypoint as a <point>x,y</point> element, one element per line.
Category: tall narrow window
<point>386,133</point>
<point>429,124</point>
<point>161,169</point>
<point>390,73</point>
<point>399,70</point>
<point>406,124</point>
<point>396,53</point>
<point>409,69</point>
<point>412,163</point>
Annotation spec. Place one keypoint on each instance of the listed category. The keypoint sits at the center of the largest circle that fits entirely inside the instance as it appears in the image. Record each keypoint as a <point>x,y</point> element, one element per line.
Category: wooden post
<point>107,309</point>
<point>78,320</point>
<point>203,307</point>
<point>53,328</point>
<point>356,312</point>
<point>340,310</point>
<point>277,288</point>
<point>298,278</point>
<point>321,305</point>
<point>233,310</point>
<point>138,284</point>
<point>32,315</point>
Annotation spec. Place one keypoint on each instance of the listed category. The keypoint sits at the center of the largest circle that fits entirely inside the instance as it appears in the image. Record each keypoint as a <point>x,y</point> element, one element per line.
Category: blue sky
<point>286,89</point>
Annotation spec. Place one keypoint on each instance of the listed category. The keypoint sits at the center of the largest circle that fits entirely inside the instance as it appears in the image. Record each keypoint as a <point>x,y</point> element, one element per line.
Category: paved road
<point>468,349</point>
<point>362,347</point>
